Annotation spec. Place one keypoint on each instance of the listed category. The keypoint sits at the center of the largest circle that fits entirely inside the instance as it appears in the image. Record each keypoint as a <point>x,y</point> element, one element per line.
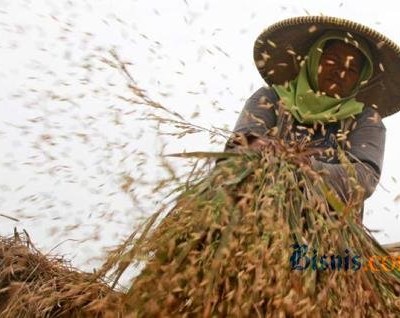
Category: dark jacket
<point>363,139</point>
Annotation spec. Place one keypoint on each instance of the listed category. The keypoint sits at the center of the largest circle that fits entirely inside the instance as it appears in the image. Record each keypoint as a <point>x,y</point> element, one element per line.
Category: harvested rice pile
<point>35,285</point>
<point>226,248</point>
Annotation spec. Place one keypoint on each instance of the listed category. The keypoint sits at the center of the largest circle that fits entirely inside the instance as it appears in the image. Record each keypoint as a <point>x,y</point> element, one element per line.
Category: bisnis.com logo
<point>301,259</point>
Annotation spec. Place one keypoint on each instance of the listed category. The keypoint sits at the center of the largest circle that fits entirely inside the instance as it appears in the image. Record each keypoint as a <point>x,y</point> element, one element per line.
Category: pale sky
<point>67,139</point>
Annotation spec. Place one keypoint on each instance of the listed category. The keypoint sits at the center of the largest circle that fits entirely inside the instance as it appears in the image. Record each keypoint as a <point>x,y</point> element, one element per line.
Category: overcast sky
<point>67,141</point>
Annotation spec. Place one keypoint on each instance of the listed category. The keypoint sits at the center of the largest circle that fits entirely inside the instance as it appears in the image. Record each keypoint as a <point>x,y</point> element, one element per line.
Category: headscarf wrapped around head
<point>301,96</point>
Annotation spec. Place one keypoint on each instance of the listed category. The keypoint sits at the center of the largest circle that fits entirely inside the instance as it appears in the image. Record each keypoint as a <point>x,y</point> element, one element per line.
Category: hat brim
<point>280,48</point>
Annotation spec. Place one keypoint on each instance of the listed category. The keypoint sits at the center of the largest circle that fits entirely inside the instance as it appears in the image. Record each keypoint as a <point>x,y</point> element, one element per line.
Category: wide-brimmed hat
<point>280,48</point>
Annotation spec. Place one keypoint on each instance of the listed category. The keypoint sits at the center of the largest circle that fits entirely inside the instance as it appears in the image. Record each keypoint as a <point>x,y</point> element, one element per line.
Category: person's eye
<point>329,62</point>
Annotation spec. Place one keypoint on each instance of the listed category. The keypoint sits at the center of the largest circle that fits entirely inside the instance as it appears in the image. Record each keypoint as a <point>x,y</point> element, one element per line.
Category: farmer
<point>330,83</point>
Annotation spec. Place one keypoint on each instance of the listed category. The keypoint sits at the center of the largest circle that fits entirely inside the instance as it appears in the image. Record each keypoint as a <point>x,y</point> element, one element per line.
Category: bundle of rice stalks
<point>261,236</point>
<point>33,285</point>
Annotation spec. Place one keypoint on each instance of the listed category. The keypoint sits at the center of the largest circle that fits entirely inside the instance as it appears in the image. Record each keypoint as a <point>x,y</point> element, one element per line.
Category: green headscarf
<point>300,96</point>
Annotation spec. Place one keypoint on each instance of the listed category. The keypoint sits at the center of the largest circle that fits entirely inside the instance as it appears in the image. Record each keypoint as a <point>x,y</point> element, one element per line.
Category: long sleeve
<point>256,118</point>
<point>365,146</point>
<point>366,149</point>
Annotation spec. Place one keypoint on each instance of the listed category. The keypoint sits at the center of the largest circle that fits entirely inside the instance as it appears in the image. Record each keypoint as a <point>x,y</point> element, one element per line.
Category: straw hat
<point>281,47</point>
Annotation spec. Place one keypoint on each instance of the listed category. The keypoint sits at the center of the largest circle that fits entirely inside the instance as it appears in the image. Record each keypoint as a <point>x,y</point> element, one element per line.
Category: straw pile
<point>33,285</point>
<point>226,247</point>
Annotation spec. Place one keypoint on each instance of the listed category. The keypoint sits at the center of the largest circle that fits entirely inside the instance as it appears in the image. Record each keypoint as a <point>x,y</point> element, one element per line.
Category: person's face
<point>339,69</point>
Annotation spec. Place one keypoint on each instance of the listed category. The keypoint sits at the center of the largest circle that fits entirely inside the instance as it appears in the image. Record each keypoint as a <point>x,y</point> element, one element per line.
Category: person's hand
<point>312,168</point>
<point>259,143</point>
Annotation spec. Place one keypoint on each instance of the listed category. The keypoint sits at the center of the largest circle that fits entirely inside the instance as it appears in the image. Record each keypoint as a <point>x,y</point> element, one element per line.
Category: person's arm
<point>255,120</point>
<point>367,146</point>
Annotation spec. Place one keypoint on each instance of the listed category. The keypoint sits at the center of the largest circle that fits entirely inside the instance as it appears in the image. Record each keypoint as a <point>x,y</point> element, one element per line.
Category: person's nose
<point>339,71</point>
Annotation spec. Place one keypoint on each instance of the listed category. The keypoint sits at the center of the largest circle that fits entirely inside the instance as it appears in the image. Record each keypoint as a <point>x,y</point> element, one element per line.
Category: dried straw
<point>33,285</point>
<point>225,247</point>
